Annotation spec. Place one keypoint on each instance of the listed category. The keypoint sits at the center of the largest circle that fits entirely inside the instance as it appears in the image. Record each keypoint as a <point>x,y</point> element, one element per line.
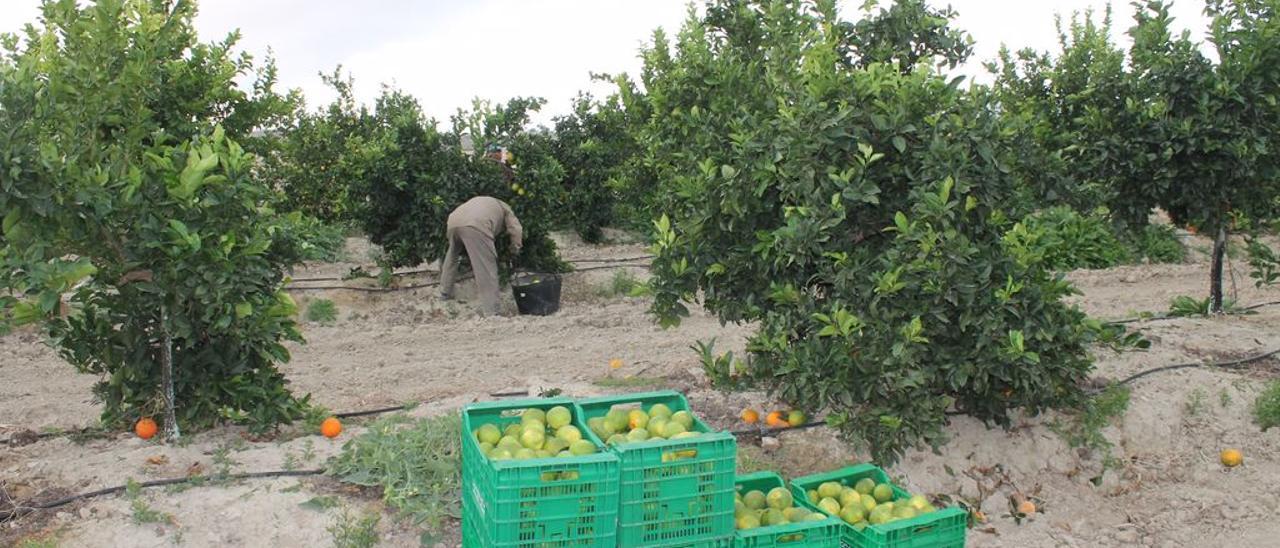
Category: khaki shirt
<point>490,216</point>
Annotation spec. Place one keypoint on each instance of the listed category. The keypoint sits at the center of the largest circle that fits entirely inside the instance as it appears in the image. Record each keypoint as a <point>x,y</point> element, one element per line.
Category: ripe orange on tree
<point>145,428</point>
<point>750,416</point>
<point>331,427</point>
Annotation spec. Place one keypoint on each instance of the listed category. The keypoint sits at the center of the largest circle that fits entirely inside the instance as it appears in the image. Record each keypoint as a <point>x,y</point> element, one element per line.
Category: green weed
<point>1183,306</point>
<point>1084,428</point>
<point>1224,398</point>
<point>415,463</point>
<point>623,283</point>
<point>142,513</point>
<point>1195,403</point>
<point>355,532</point>
<point>1266,409</point>
<point>44,541</point>
<point>1156,244</point>
<point>322,311</point>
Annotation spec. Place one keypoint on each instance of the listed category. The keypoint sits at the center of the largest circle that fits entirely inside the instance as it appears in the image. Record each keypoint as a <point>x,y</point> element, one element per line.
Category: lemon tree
<point>135,231</point>
<point>855,212</point>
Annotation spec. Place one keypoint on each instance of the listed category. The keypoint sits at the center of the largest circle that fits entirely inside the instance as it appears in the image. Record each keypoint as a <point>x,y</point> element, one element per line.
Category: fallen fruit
<point>750,416</point>
<point>331,427</point>
<point>615,363</point>
<point>1026,508</point>
<point>796,418</point>
<point>775,420</point>
<point>145,428</point>
<point>1231,458</point>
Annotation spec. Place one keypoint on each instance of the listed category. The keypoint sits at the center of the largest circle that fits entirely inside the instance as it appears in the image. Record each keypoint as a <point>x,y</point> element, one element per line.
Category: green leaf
<point>899,143</point>
<point>243,310</point>
<point>320,503</point>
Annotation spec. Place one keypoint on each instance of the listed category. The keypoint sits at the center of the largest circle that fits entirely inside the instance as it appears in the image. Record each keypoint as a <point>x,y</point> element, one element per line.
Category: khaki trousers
<point>484,264</point>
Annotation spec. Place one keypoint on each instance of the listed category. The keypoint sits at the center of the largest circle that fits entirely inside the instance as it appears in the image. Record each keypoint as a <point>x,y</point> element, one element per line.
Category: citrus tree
<point>1053,104</point>
<point>1202,140</point>
<point>855,213</point>
<point>592,143</point>
<point>393,172</point>
<point>318,155</point>
<point>134,231</point>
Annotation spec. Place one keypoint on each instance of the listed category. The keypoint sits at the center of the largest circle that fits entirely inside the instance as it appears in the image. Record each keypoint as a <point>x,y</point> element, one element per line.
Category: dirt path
<point>392,348</point>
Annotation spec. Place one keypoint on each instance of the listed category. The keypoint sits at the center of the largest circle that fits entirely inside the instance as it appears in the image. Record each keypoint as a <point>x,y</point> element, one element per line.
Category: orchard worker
<point>476,225</point>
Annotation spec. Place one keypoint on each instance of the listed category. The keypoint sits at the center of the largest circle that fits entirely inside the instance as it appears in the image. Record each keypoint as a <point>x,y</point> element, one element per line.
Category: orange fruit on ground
<point>615,363</point>
<point>1026,507</point>
<point>750,416</point>
<point>796,418</point>
<point>775,420</point>
<point>331,427</point>
<point>145,428</point>
<point>1231,458</point>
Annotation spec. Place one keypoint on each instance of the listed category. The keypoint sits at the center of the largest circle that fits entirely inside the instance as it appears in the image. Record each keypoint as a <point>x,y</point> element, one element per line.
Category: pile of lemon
<point>538,435</point>
<point>756,509</point>
<point>866,503</point>
<point>620,426</point>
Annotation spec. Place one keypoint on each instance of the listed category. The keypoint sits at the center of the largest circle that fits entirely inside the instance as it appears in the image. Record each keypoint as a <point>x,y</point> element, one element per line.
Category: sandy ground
<point>391,348</point>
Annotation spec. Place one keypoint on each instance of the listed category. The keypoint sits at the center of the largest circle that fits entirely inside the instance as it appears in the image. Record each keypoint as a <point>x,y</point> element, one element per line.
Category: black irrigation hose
<point>434,271</point>
<point>1166,317</point>
<point>1231,363</point>
<point>434,284</point>
<point>21,509</point>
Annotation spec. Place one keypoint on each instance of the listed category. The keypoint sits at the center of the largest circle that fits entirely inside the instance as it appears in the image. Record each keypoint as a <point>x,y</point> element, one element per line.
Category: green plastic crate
<point>944,528</point>
<point>542,503</point>
<point>809,534</point>
<point>674,492</point>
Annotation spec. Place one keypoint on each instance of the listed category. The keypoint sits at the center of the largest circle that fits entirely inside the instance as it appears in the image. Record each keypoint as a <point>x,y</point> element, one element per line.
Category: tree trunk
<point>166,380</point>
<point>1215,274</point>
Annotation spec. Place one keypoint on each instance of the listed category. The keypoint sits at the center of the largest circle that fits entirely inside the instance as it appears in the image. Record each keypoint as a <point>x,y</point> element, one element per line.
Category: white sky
<point>446,52</point>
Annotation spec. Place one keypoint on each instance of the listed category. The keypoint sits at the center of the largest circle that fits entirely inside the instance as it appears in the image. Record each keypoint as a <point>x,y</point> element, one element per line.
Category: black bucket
<point>536,294</point>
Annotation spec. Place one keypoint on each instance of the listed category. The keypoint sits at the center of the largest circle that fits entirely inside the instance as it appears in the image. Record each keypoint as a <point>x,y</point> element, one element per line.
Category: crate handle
<point>560,475</point>
<point>790,538</point>
<point>680,454</point>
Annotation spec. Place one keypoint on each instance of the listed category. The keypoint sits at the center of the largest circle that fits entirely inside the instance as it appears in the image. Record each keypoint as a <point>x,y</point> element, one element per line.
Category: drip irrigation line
<point>21,509</point>
<point>1165,317</point>
<point>1230,363</point>
<point>435,271</point>
<point>434,284</point>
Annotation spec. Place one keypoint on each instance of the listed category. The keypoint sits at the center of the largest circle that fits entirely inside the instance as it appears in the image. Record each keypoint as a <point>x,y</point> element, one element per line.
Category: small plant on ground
<point>1083,429</point>
<point>1183,306</point>
<point>142,512</point>
<point>47,540</point>
<point>1266,409</point>
<point>1224,398</point>
<point>322,311</point>
<point>417,464</point>
<point>1068,240</point>
<point>623,283</point>
<point>355,531</point>
<point>1156,244</point>
<point>1195,403</point>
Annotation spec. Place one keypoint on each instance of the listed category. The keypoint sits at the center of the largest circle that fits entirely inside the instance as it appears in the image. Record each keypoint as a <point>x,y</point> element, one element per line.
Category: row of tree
<point>824,179</point>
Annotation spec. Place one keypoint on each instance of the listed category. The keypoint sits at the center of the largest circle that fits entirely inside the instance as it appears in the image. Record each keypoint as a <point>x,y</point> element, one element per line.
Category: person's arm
<point>515,232</point>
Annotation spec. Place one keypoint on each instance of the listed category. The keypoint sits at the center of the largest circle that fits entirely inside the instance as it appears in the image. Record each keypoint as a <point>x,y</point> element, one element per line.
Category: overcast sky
<point>446,52</point>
